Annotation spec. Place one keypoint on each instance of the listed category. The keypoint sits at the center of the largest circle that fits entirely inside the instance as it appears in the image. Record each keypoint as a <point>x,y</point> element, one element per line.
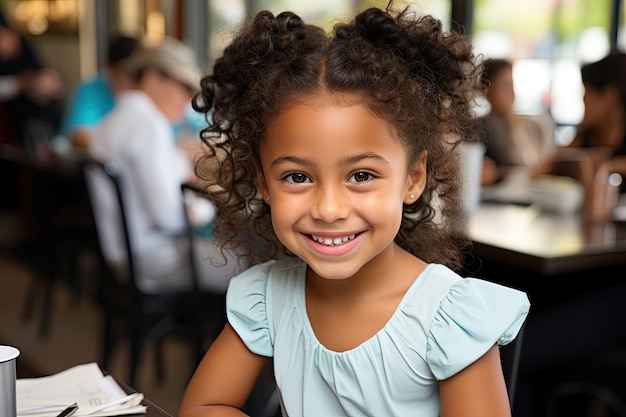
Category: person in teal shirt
<point>94,98</point>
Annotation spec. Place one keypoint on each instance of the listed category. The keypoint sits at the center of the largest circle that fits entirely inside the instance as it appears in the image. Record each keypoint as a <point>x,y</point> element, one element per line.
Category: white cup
<point>472,154</point>
<point>8,399</point>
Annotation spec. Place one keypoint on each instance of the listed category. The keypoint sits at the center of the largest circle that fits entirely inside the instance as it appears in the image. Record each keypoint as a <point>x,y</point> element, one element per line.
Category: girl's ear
<point>416,179</point>
<point>263,186</point>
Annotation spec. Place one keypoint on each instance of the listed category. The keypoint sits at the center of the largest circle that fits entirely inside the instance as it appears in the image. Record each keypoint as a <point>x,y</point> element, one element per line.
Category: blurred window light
<point>547,41</point>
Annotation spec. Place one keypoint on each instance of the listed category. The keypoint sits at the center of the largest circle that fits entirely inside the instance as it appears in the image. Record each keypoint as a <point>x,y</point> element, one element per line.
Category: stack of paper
<point>95,394</point>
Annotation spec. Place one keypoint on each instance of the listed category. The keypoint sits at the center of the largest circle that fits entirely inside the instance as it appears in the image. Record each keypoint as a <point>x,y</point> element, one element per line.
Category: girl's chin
<point>333,272</point>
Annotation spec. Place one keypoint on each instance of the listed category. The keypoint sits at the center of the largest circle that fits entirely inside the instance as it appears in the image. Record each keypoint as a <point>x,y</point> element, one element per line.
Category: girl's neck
<point>394,266</point>
<point>345,313</point>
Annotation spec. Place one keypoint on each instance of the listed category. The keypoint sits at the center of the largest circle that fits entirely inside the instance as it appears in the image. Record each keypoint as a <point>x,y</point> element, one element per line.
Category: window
<point>547,42</point>
<point>226,15</point>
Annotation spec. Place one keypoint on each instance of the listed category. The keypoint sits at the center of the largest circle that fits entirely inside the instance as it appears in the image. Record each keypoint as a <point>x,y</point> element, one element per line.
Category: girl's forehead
<point>320,127</point>
<point>316,106</point>
<point>323,99</point>
<point>327,114</point>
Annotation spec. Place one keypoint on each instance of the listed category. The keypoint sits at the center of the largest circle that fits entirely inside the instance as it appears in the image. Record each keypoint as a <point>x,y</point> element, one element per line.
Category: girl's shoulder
<point>258,295</point>
<point>430,287</point>
<point>268,280</point>
<point>466,317</point>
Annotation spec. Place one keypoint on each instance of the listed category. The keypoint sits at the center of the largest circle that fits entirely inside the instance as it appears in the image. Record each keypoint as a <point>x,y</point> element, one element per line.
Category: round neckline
<point>309,328</point>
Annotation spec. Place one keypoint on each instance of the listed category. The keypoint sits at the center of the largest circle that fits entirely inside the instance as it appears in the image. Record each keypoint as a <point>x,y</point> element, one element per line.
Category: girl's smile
<point>336,178</point>
<point>334,246</point>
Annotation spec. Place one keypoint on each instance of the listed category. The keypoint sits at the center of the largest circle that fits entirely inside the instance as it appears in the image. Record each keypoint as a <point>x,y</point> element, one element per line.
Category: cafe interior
<point>555,235</point>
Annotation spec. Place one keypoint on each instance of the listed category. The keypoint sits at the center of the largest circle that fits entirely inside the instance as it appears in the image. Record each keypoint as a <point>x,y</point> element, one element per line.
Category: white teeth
<point>332,242</point>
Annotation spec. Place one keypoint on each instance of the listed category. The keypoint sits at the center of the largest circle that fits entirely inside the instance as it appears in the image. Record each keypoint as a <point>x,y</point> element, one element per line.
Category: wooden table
<point>552,257</point>
<point>545,243</point>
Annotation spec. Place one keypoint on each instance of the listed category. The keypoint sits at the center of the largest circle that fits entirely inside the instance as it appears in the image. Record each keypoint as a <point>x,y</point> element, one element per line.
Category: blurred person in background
<point>29,110</point>
<point>604,119</point>
<point>29,92</point>
<point>94,98</point>
<point>511,139</point>
<point>137,135</point>
<point>599,147</point>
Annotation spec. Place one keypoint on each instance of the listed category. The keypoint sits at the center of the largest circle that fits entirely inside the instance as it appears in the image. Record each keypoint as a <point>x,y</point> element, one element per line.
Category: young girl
<point>339,154</point>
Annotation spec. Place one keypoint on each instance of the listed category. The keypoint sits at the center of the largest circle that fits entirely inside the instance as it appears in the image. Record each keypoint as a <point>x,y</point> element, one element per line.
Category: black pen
<point>69,411</point>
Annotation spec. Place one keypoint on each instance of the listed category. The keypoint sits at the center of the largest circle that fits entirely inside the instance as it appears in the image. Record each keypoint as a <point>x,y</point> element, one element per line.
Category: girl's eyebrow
<point>348,161</point>
<point>290,159</point>
<point>368,155</point>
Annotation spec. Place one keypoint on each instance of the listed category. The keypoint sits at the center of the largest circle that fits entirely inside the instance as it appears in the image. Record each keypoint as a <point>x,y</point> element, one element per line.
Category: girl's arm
<point>477,391</point>
<point>223,380</point>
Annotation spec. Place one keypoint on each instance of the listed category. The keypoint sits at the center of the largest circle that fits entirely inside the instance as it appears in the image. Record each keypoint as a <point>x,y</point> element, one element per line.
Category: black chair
<point>130,313</point>
<point>210,308</point>
<point>54,206</point>
<point>509,357</point>
<point>596,383</point>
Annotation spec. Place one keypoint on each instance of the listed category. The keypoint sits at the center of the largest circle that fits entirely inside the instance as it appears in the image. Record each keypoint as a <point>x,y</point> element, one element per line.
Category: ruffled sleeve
<point>246,302</point>
<point>472,317</point>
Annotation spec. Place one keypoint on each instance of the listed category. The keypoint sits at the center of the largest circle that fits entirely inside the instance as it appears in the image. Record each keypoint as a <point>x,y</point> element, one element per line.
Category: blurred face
<point>120,80</point>
<point>501,95</point>
<point>598,103</point>
<point>169,95</point>
<point>10,45</point>
<point>336,178</point>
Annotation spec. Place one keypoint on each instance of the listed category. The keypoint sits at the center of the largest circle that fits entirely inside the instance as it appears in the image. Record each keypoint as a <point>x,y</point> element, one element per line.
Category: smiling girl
<point>334,158</point>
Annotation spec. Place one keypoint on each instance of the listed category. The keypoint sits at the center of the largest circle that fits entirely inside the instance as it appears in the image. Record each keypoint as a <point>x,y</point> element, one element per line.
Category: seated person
<point>511,139</point>
<point>604,119</point>
<point>138,137</point>
<point>29,91</point>
<point>94,98</point>
<point>599,147</point>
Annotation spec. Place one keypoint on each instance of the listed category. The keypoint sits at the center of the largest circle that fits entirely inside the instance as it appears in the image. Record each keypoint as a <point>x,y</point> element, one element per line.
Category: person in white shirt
<point>137,136</point>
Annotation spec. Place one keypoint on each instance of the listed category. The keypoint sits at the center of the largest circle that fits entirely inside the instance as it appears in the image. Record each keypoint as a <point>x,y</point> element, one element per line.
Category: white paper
<point>95,394</point>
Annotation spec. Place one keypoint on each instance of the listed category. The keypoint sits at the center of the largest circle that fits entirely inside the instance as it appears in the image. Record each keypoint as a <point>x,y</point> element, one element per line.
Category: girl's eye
<point>361,176</point>
<point>296,178</point>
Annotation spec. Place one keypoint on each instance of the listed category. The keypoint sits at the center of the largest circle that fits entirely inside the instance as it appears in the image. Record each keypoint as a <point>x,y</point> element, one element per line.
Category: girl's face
<point>336,178</point>
<point>170,96</point>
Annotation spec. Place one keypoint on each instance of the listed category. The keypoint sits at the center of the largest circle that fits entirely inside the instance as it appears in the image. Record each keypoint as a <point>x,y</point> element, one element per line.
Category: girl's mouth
<point>335,241</point>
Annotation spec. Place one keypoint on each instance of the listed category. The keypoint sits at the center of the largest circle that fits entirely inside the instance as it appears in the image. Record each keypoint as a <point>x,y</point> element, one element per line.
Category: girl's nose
<point>330,204</point>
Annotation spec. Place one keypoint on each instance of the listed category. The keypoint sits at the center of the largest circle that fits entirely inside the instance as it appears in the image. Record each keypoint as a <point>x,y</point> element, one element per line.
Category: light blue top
<point>443,324</point>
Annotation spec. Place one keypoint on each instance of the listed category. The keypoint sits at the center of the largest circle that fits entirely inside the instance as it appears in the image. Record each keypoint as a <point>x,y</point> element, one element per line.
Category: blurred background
<point>548,40</point>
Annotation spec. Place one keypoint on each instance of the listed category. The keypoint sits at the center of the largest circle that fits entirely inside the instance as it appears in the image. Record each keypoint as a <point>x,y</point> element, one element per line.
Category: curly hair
<point>404,67</point>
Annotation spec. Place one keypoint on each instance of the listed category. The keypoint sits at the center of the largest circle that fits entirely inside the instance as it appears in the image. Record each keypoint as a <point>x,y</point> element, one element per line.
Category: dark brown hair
<point>610,70</point>
<point>403,67</point>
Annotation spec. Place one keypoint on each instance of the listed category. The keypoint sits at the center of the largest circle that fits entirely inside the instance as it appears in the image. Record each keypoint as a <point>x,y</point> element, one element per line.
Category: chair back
<point>106,195</point>
<point>190,232</point>
<point>510,356</point>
